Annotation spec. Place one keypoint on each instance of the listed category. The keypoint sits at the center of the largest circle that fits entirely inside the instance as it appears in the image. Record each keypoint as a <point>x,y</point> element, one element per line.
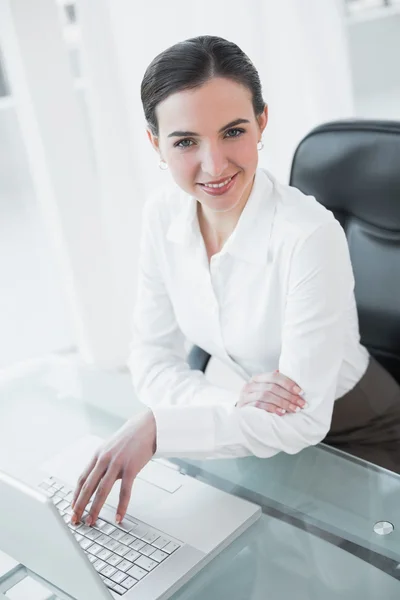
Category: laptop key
<point>137,573</point>
<point>99,564</point>
<point>57,500</point>
<point>132,556</point>
<point>159,556</point>
<point>104,554</point>
<point>137,545</point>
<point>160,543</point>
<point>100,524</point>
<point>127,525</point>
<point>108,570</point>
<point>119,589</point>
<point>150,537</point>
<point>127,539</point>
<point>117,534</point>
<point>63,505</point>
<point>108,528</point>
<point>111,544</point>
<point>147,550</point>
<point>128,583</point>
<point>146,563</point>
<point>124,565</point>
<point>95,549</point>
<point>93,534</point>
<point>84,530</point>
<point>171,547</point>
<point>139,531</point>
<point>114,559</point>
<point>110,584</point>
<point>103,539</point>
<point>121,549</point>
<point>118,577</point>
<point>92,558</point>
<point>85,543</point>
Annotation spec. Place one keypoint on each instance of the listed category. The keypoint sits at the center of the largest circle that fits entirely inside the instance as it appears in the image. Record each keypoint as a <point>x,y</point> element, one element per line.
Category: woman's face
<point>208,136</point>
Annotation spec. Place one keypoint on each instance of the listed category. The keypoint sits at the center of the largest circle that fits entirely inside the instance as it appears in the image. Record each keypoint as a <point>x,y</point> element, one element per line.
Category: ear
<point>263,119</point>
<point>154,141</point>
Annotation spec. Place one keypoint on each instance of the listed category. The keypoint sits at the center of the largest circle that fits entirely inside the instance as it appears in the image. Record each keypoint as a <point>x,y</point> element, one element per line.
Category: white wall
<point>375,59</point>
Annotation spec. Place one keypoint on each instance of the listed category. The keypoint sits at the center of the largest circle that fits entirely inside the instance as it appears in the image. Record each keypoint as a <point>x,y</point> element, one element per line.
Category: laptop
<point>175,525</point>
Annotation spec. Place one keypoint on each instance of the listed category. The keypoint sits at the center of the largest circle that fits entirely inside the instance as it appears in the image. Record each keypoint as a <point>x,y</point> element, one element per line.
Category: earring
<point>162,165</point>
<point>260,145</point>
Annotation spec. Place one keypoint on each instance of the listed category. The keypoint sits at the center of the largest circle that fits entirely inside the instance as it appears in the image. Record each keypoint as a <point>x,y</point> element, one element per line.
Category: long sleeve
<point>197,419</point>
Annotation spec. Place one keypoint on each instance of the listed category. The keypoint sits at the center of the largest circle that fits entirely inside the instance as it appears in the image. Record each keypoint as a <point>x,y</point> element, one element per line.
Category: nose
<point>214,161</point>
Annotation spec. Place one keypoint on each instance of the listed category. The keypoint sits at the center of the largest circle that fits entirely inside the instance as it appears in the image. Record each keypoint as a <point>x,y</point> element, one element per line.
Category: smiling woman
<point>205,120</point>
<point>252,271</point>
<point>214,160</point>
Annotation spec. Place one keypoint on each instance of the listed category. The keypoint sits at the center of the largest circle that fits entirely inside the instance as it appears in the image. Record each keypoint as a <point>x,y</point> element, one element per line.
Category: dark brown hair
<point>189,64</point>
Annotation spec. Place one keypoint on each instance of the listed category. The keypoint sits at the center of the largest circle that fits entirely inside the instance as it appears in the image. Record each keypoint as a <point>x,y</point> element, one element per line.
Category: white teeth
<point>217,185</point>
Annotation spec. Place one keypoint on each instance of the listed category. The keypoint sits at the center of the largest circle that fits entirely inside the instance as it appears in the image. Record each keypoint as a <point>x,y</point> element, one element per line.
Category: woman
<point>251,270</point>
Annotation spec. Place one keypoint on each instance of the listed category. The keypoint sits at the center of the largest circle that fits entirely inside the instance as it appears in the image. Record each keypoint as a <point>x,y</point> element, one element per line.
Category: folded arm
<point>195,418</point>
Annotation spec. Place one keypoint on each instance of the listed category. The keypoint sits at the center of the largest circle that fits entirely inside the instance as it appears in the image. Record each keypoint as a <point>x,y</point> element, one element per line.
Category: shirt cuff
<point>197,431</point>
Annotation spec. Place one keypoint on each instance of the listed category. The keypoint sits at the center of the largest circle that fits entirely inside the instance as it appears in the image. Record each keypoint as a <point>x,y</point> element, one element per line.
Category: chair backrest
<point>353,168</point>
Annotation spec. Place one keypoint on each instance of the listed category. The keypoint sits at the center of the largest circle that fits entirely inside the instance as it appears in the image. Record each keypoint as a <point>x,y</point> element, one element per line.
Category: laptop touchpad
<point>163,477</point>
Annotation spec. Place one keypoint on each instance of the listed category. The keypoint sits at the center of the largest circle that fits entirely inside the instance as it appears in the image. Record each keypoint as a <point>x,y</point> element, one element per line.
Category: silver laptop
<point>175,524</point>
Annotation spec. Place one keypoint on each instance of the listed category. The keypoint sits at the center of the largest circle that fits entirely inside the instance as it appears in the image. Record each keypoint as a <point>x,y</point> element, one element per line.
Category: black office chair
<point>353,168</point>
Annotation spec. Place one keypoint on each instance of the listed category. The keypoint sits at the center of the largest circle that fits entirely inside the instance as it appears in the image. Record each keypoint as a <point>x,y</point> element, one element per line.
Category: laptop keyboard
<point>122,554</point>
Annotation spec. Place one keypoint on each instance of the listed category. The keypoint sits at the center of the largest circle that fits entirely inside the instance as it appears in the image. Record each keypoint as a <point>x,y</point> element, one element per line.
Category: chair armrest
<point>198,359</point>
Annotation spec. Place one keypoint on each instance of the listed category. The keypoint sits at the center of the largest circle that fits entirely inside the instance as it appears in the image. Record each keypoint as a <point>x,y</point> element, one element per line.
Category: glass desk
<point>315,539</point>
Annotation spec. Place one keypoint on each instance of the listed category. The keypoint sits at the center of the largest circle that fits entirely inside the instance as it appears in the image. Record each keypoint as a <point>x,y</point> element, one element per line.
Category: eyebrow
<point>228,126</point>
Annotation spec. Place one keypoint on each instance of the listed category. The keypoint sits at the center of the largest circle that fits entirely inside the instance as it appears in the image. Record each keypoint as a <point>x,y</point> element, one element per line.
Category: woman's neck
<point>216,227</point>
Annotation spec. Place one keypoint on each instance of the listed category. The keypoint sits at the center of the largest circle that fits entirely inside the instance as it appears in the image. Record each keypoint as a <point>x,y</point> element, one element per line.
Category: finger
<point>288,384</point>
<point>276,399</point>
<point>279,378</point>
<point>282,403</point>
<point>103,489</point>
<point>264,389</point>
<point>87,490</point>
<point>124,496</point>
<point>83,478</point>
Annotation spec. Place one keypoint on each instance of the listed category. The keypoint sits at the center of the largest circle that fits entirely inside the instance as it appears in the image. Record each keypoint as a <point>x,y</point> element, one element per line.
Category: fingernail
<point>282,411</point>
<point>297,409</point>
<point>305,405</point>
<point>301,393</point>
<point>88,520</point>
<point>297,390</point>
<point>74,519</point>
<point>118,519</point>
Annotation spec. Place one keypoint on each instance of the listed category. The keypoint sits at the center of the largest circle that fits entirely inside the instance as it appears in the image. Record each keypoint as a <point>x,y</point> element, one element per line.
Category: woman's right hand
<point>273,392</point>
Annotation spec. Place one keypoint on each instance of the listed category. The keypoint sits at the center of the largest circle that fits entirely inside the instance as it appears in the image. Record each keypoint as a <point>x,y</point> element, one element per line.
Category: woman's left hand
<point>123,456</point>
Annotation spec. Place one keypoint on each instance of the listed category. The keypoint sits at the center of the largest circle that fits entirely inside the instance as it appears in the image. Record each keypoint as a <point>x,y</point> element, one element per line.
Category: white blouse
<point>279,295</point>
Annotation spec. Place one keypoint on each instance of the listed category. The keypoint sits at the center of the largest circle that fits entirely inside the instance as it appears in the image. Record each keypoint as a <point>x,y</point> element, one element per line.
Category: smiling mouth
<point>220,184</point>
